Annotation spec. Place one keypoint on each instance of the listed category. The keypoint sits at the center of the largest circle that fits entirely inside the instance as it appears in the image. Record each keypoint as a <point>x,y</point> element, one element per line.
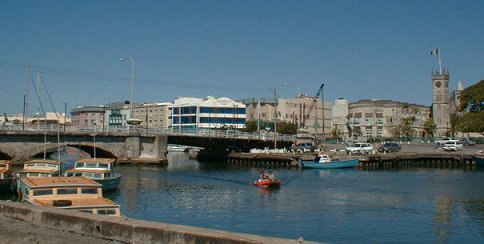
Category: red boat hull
<point>268,183</point>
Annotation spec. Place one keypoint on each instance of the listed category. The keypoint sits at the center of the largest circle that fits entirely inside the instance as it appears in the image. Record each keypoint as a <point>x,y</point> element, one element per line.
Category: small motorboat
<point>267,180</point>
<point>324,161</point>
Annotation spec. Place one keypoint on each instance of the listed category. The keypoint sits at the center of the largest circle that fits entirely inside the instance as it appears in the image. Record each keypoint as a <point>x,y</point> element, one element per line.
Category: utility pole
<point>26,96</point>
<point>322,101</point>
<point>275,118</point>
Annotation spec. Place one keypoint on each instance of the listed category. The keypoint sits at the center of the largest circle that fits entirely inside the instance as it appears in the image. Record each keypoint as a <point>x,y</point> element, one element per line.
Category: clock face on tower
<point>438,84</point>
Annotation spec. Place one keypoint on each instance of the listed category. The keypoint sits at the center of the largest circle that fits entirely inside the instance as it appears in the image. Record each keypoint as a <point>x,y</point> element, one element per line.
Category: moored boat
<point>35,168</point>
<point>479,160</point>
<point>73,193</point>
<point>6,176</point>
<point>323,161</point>
<point>99,169</point>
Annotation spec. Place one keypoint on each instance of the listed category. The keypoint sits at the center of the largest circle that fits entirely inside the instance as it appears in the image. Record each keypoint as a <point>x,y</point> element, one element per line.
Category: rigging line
<point>50,98</point>
<point>91,76</point>
<point>38,98</point>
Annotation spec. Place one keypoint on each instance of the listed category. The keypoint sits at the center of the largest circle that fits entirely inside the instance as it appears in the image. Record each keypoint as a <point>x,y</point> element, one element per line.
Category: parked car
<point>444,140</point>
<point>303,147</point>
<point>360,148</point>
<point>468,142</point>
<point>390,147</point>
<point>452,146</point>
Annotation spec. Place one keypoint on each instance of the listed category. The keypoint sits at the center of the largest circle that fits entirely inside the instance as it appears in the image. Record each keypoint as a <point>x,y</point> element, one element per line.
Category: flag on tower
<point>434,52</point>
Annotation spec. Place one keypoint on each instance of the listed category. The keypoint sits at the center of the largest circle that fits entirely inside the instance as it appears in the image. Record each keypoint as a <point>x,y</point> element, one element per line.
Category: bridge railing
<point>235,134</point>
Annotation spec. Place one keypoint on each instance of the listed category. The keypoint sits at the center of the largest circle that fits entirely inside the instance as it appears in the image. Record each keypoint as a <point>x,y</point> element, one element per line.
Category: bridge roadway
<point>134,147</point>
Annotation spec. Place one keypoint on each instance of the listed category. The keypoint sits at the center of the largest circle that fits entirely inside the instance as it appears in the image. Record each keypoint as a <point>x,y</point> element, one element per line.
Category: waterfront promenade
<point>22,223</point>
<point>412,154</point>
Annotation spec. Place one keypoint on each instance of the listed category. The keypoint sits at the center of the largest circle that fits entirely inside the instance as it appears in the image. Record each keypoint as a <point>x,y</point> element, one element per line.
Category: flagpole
<point>440,61</point>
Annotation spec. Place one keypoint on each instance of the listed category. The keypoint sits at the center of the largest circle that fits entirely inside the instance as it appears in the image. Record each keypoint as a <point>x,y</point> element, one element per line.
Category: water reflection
<point>344,205</point>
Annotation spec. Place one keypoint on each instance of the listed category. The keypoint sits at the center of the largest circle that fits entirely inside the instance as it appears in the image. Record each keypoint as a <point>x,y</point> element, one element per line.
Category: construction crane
<point>315,101</point>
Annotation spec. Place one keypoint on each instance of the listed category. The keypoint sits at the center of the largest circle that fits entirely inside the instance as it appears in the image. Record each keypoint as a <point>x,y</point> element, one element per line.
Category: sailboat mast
<point>26,96</point>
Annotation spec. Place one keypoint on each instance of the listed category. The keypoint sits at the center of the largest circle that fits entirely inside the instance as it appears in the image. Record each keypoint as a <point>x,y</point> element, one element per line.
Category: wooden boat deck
<point>59,181</point>
<point>77,202</point>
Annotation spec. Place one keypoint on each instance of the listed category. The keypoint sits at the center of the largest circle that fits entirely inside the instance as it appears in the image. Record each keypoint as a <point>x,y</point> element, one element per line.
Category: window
<point>106,211</point>
<point>103,166</point>
<point>88,190</point>
<point>91,165</point>
<point>66,191</point>
<point>42,192</point>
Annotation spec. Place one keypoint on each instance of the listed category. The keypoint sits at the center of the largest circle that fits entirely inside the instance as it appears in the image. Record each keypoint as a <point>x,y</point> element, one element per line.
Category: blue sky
<point>237,49</point>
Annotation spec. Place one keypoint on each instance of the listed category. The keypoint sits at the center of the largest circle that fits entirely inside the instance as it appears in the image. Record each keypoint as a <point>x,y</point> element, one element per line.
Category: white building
<point>340,117</point>
<point>188,113</point>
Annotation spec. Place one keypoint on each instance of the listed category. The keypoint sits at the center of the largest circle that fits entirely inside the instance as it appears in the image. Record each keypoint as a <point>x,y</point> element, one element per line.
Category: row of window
<point>193,110</point>
<point>206,120</point>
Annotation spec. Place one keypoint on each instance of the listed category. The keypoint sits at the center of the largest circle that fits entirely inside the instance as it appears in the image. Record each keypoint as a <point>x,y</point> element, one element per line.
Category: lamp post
<point>297,97</point>
<point>293,83</point>
<point>132,82</point>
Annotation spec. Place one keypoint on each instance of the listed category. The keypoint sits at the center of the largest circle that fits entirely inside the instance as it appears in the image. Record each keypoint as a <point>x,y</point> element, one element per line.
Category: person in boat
<point>266,175</point>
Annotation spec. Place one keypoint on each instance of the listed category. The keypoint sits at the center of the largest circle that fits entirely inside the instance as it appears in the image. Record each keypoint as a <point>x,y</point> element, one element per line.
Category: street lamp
<point>132,81</point>
<point>131,121</point>
<point>297,97</point>
<point>293,83</point>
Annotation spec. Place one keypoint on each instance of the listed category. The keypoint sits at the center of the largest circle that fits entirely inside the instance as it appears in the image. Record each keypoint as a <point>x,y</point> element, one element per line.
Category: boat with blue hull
<point>100,170</point>
<point>479,161</point>
<point>324,161</point>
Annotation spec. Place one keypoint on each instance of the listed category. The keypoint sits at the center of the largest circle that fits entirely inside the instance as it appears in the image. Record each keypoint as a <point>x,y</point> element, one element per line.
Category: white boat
<point>177,148</point>
<point>102,170</point>
<point>72,193</point>
<point>36,168</point>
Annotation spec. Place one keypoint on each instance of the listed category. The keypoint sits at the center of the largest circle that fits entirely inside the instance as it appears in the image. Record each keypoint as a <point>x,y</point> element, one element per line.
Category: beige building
<point>89,117</point>
<point>262,109</point>
<point>377,118</point>
<point>305,111</point>
<point>152,115</point>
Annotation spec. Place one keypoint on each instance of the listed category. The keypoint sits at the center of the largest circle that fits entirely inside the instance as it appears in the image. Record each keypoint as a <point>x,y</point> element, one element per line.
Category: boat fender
<point>61,203</point>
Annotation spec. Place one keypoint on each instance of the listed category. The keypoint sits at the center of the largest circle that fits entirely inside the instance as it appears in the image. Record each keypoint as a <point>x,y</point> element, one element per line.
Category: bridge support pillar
<point>133,148</point>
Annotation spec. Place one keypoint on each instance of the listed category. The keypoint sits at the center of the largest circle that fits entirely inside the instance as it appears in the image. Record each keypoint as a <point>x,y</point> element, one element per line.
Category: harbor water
<point>337,206</point>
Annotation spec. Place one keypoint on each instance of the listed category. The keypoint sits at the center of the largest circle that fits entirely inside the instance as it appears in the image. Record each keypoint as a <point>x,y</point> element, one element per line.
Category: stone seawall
<point>122,230</point>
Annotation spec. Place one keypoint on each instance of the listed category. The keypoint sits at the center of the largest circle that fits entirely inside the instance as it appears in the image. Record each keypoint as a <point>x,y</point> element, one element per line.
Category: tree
<point>336,133</point>
<point>405,128</point>
<point>472,108</point>
<point>472,98</point>
<point>286,128</point>
<point>429,127</point>
<point>250,126</point>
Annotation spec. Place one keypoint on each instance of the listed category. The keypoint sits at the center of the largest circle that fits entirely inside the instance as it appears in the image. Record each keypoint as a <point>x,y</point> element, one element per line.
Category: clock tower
<point>441,102</point>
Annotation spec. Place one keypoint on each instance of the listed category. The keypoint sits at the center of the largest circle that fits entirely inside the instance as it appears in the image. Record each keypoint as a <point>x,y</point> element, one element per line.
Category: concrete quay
<point>22,223</point>
<point>411,155</point>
